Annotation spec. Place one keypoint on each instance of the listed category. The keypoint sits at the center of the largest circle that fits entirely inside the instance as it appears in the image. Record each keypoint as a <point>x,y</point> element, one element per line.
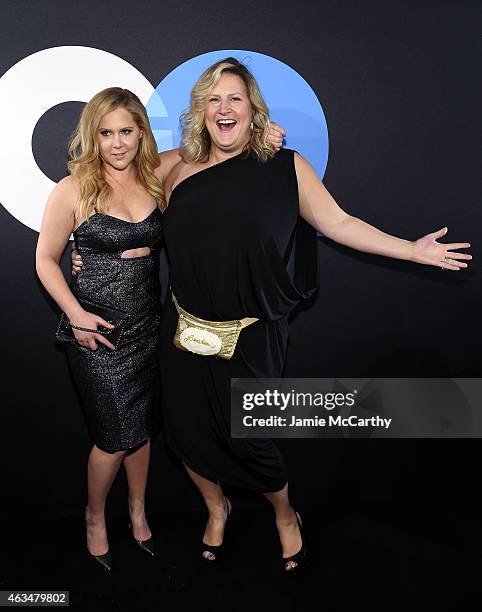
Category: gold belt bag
<point>215,338</point>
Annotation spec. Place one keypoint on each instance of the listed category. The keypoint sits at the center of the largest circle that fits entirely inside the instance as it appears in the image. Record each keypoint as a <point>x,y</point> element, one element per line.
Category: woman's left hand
<point>275,135</point>
<point>427,250</point>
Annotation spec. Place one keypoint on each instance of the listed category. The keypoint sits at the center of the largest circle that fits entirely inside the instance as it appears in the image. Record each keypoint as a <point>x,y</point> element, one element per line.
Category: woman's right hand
<point>76,259</point>
<point>89,320</point>
<point>275,136</point>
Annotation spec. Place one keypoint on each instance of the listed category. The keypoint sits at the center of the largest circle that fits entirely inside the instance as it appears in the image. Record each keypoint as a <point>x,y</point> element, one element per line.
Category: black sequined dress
<point>120,389</point>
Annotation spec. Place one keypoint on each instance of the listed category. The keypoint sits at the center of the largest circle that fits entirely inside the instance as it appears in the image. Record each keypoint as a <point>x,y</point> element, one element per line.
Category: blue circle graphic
<point>291,101</point>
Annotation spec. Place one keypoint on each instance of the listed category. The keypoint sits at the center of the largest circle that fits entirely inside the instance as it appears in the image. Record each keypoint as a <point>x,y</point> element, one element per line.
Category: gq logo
<point>63,74</point>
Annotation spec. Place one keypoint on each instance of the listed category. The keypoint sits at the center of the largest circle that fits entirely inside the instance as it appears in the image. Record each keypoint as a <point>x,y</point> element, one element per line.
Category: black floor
<point>371,555</point>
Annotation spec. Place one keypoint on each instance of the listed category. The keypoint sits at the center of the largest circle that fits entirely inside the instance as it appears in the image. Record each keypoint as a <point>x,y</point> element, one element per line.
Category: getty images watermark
<point>356,408</point>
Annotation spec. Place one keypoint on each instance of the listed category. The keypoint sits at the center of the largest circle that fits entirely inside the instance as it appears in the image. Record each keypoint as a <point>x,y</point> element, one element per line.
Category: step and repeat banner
<point>382,100</point>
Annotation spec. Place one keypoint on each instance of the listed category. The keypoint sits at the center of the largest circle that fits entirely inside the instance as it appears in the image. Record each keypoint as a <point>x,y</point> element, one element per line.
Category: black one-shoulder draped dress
<point>237,247</point>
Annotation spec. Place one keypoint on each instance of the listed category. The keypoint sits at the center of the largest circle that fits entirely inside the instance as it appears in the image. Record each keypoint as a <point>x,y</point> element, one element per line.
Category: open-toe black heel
<point>300,558</point>
<point>216,551</point>
<point>146,545</point>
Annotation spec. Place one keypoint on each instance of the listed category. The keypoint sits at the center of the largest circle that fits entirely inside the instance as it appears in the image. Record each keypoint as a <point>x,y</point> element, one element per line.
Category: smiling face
<point>118,137</point>
<point>228,115</point>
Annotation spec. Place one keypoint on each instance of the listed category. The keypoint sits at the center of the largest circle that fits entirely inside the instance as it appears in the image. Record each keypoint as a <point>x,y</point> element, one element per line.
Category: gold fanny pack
<point>215,338</point>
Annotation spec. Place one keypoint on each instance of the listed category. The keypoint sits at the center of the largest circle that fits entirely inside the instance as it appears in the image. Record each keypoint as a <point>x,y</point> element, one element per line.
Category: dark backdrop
<point>400,87</point>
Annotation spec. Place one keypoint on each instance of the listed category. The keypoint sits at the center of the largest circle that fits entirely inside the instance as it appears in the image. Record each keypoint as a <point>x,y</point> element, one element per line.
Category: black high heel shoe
<point>216,551</point>
<point>301,557</point>
<point>105,560</point>
<point>146,545</point>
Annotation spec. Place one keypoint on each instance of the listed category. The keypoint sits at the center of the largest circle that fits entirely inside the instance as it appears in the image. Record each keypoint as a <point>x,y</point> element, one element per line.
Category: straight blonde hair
<point>196,142</point>
<point>86,164</point>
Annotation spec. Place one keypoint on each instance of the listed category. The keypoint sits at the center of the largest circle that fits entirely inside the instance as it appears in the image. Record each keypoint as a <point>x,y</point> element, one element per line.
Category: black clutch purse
<point>116,317</point>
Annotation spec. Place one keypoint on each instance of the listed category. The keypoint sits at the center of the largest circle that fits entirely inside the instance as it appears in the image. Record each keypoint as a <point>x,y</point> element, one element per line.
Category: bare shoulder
<point>66,193</point>
<point>63,199</point>
<point>302,165</point>
<point>305,173</point>
<point>167,159</point>
<point>59,214</point>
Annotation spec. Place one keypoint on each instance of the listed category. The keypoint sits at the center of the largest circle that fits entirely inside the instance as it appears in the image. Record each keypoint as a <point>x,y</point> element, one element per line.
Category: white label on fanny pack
<point>200,341</point>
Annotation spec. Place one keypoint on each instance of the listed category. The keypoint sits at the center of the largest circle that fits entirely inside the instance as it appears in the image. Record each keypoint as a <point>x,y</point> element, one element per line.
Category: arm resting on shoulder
<point>167,160</point>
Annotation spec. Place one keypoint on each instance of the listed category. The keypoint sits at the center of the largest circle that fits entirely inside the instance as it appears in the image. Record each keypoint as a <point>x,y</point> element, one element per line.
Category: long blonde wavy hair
<point>196,142</point>
<point>86,164</point>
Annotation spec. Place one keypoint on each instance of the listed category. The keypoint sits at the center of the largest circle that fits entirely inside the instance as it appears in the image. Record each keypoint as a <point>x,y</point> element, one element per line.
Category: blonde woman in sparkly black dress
<point>112,203</point>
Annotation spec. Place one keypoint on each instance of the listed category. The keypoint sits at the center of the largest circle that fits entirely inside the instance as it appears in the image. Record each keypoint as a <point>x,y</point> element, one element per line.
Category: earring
<point>251,126</point>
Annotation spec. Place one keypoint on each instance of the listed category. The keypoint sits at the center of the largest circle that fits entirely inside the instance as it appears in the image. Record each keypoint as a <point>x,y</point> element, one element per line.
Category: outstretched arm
<point>319,209</point>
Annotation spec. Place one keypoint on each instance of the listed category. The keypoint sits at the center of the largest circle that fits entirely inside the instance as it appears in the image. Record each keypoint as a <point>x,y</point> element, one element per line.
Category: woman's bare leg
<point>286,523</point>
<point>101,471</point>
<point>136,464</point>
<point>218,513</point>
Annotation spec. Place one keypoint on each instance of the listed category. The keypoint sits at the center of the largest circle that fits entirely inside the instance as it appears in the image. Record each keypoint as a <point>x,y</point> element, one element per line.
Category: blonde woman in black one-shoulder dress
<point>240,233</point>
